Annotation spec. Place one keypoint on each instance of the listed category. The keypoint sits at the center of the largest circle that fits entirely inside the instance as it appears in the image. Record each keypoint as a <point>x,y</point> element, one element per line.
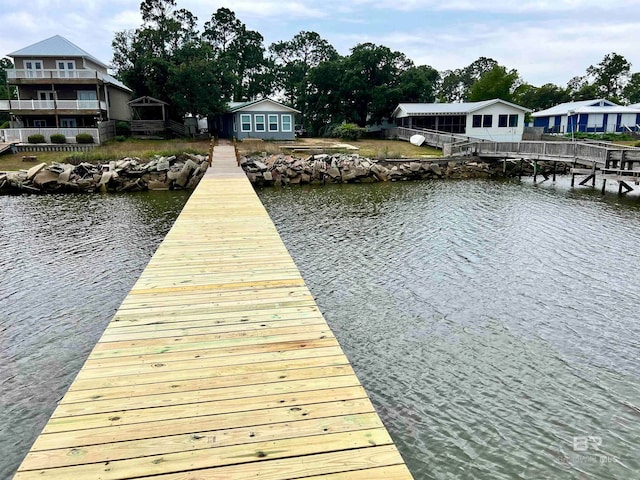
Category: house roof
<point>238,106</point>
<point>599,105</point>
<point>115,82</point>
<point>56,46</point>
<point>411,109</point>
<point>635,105</point>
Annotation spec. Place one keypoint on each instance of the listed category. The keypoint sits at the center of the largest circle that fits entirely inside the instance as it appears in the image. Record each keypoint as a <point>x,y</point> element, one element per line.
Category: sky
<point>547,41</point>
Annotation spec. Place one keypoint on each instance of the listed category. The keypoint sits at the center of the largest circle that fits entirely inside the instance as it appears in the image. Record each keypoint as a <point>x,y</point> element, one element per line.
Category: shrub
<point>4,125</point>
<point>123,129</point>
<point>120,138</point>
<point>58,138</point>
<point>348,131</point>
<point>84,138</point>
<point>36,138</point>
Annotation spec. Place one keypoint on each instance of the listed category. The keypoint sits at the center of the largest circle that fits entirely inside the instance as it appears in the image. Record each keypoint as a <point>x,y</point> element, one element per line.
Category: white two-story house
<point>61,89</point>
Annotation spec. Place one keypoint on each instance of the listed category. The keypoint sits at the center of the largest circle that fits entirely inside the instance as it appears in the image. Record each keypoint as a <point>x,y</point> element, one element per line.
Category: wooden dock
<point>218,365</point>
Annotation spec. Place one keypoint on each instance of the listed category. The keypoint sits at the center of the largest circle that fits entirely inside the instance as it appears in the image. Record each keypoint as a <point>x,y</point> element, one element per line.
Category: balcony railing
<point>23,73</point>
<point>11,105</point>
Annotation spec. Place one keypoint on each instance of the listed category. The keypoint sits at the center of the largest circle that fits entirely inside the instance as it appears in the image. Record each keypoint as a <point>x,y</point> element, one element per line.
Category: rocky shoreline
<point>126,175</point>
<point>267,170</point>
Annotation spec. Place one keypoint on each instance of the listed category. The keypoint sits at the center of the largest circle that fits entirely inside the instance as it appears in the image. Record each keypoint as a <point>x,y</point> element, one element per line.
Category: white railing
<point>22,134</point>
<point>23,73</point>
<point>9,105</point>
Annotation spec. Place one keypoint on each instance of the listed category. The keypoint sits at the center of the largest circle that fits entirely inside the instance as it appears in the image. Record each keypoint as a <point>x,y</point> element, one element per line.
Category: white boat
<point>417,140</point>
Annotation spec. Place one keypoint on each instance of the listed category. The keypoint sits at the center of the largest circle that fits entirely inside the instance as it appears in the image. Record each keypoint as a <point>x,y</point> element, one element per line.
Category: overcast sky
<point>545,40</point>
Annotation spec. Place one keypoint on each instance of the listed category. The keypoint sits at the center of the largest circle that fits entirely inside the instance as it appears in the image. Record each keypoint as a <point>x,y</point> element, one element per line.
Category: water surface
<point>66,264</point>
<point>493,324</point>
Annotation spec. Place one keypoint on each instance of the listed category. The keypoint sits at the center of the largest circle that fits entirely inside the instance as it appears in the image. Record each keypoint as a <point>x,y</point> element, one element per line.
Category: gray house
<point>265,119</point>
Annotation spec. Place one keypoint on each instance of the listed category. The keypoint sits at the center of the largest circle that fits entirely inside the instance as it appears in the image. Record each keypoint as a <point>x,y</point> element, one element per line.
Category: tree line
<point>197,71</point>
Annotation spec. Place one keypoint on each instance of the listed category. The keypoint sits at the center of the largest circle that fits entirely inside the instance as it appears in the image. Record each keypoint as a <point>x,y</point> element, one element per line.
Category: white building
<point>495,120</point>
<point>596,116</point>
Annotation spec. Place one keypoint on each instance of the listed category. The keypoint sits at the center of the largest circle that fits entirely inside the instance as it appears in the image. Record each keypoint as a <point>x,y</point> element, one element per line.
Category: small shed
<point>496,120</point>
<point>594,116</point>
<point>265,119</point>
<point>149,116</point>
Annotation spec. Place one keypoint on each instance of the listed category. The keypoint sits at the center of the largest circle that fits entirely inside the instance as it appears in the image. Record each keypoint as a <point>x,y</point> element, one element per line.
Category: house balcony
<point>17,76</point>
<point>51,107</point>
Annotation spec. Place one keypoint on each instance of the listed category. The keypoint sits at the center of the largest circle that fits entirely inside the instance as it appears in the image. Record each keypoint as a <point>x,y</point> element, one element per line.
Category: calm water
<point>66,264</point>
<point>494,324</point>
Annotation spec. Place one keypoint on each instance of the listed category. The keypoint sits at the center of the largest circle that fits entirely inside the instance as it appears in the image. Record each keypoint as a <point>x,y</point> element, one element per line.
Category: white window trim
<point>33,61</point>
<point>282,122</point>
<point>242,129</point>
<point>277,122</point>
<point>255,123</point>
<point>65,62</point>
<point>73,121</point>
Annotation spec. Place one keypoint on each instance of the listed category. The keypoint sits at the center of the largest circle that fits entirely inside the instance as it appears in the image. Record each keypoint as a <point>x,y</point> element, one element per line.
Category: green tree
<point>5,92</point>
<point>579,88</point>
<point>540,98</point>
<point>496,83</point>
<point>418,84</point>
<point>372,75</point>
<point>456,84</point>
<point>610,75</point>
<point>293,61</point>
<point>632,90</point>
<point>241,53</point>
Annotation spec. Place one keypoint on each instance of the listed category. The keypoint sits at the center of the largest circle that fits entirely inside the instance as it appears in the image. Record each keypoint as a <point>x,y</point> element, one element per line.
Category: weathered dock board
<point>218,365</point>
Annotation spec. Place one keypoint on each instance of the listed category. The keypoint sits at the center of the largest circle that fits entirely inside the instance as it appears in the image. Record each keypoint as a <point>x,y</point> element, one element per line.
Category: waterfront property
<point>218,364</point>
<point>263,119</point>
<point>597,116</point>
<point>61,88</point>
<point>495,120</point>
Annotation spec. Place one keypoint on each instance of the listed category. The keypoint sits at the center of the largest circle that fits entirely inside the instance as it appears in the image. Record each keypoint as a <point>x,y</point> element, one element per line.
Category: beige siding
<point>118,106</point>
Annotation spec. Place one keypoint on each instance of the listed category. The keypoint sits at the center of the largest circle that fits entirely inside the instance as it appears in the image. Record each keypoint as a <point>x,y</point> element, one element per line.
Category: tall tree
<point>540,98</point>
<point>293,60</point>
<point>372,72</point>
<point>5,92</point>
<point>632,89</point>
<point>610,75</point>
<point>496,83</point>
<point>241,52</point>
<point>456,84</point>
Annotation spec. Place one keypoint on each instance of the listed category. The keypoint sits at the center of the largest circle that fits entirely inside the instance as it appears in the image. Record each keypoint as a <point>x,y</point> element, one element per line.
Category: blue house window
<point>513,120</point>
<point>245,122</point>
<point>487,121</point>
<point>502,120</point>
<point>286,123</point>
<point>260,126</point>
<point>273,123</point>
<point>477,121</point>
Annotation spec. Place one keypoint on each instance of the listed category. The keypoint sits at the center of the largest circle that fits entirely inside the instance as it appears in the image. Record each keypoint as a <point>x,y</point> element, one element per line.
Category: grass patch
<point>370,148</point>
<point>144,149</point>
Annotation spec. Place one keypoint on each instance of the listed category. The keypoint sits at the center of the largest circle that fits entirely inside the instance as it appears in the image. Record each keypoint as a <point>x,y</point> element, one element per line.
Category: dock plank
<point>217,365</point>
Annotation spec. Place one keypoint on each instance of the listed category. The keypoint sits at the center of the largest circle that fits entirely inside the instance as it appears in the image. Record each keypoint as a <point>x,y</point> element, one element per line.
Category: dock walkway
<point>217,365</point>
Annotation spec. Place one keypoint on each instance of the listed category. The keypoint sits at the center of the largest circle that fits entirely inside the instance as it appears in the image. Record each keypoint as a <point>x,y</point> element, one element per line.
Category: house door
<point>66,68</point>
<point>46,98</point>
<point>34,68</point>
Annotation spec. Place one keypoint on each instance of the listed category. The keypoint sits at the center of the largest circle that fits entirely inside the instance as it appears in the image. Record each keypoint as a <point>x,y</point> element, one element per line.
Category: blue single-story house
<point>264,118</point>
<point>588,116</point>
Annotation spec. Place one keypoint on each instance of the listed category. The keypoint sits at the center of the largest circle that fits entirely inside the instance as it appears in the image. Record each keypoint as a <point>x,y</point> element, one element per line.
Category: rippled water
<point>491,322</point>
<point>66,264</point>
<point>494,324</point>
